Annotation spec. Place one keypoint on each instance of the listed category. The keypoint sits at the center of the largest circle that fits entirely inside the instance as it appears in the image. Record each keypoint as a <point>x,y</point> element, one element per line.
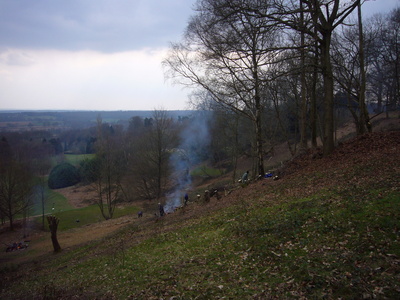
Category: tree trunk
<point>42,200</point>
<point>313,113</point>
<point>53,225</point>
<point>303,110</point>
<point>235,148</point>
<point>364,117</point>
<point>327,73</point>
<point>259,139</point>
<point>259,145</point>
<point>258,123</point>
<point>10,216</point>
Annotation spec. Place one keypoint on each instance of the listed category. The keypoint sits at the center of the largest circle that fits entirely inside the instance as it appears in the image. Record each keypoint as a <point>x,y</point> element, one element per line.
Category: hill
<point>328,228</point>
<point>19,121</point>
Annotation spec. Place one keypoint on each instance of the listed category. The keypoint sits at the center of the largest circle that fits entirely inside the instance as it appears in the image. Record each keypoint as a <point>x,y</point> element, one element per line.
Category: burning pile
<point>17,246</point>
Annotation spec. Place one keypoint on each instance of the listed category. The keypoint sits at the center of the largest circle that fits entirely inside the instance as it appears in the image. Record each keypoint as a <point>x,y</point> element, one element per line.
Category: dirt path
<point>40,242</point>
<point>78,197</point>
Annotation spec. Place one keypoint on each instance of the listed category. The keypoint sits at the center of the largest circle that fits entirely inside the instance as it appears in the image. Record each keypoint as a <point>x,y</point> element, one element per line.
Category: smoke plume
<point>195,139</point>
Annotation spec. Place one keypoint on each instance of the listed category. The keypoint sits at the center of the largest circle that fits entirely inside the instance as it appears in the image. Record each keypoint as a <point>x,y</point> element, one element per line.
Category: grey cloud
<point>15,58</point>
<point>102,25</point>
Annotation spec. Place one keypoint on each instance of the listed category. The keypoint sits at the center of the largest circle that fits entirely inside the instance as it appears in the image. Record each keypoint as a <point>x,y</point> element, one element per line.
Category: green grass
<point>336,242</point>
<point>87,215</point>
<point>206,171</point>
<point>75,159</point>
<point>310,247</point>
<point>68,215</point>
<point>52,199</point>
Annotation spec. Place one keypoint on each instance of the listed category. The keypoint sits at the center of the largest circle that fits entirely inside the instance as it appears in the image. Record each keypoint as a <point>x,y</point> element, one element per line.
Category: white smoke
<point>195,139</point>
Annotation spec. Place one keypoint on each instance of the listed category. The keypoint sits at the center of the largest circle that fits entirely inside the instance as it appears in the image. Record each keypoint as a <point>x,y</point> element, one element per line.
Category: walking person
<point>245,177</point>
<point>161,209</point>
<point>186,197</point>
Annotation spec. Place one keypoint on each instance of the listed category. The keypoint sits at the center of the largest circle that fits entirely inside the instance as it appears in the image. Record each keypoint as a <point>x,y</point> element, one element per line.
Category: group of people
<point>244,179</point>
<point>161,207</point>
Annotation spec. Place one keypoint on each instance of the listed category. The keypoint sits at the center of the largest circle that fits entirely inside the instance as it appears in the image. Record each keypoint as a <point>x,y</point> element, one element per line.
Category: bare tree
<point>374,52</point>
<point>109,168</point>
<point>364,122</point>
<point>227,52</point>
<point>53,226</point>
<point>318,19</point>
<point>228,138</point>
<point>16,182</point>
<point>329,14</point>
<point>40,164</point>
<point>149,156</point>
<point>41,167</point>
<point>384,58</point>
<point>350,71</point>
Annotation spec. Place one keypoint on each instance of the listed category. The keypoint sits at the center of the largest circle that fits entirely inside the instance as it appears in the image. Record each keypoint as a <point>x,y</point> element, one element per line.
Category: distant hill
<point>53,120</point>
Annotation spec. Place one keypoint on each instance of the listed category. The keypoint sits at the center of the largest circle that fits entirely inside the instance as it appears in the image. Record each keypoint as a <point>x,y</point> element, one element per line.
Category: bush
<point>89,170</point>
<point>63,175</point>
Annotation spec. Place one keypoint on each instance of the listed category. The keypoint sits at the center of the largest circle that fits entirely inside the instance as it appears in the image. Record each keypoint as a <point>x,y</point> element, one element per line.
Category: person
<point>186,198</point>
<point>161,209</point>
<point>245,177</point>
<point>206,196</point>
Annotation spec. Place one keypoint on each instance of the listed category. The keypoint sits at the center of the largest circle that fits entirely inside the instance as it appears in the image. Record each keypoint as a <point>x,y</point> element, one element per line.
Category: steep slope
<point>328,228</point>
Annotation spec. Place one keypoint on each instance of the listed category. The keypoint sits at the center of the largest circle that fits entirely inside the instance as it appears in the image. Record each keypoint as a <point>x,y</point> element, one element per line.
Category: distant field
<point>88,215</point>
<point>75,159</point>
<point>206,171</point>
<point>31,126</point>
<point>58,205</point>
<point>19,121</point>
<point>53,199</point>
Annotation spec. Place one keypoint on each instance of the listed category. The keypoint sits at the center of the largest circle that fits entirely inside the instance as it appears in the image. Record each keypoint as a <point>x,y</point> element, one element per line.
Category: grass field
<point>74,218</point>
<point>75,159</point>
<point>53,199</point>
<point>206,171</point>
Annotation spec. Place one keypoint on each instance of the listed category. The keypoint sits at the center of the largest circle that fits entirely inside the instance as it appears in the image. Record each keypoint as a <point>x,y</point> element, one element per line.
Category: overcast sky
<point>94,54</point>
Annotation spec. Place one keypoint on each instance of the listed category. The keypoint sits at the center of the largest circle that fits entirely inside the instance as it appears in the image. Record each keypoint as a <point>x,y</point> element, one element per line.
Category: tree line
<point>143,161</point>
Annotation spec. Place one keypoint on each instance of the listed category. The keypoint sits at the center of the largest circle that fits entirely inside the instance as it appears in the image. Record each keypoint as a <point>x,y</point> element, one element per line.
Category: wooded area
<point>252,57</point>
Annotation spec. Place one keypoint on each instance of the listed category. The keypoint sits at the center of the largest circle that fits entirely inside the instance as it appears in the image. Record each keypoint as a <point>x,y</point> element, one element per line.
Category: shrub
<point>63,175</point>
<point>89,170</point>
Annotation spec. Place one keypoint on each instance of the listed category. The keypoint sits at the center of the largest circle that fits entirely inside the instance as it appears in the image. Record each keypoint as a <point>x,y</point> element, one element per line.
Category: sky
<point>95,54</point>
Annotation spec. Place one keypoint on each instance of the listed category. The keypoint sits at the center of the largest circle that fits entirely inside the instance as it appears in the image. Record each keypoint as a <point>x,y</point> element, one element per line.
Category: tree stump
<point>53,225</point>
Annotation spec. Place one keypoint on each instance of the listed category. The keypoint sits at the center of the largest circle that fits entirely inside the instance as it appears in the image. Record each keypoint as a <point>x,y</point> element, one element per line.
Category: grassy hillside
<point>53,199</point>
<point>329,228</point>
